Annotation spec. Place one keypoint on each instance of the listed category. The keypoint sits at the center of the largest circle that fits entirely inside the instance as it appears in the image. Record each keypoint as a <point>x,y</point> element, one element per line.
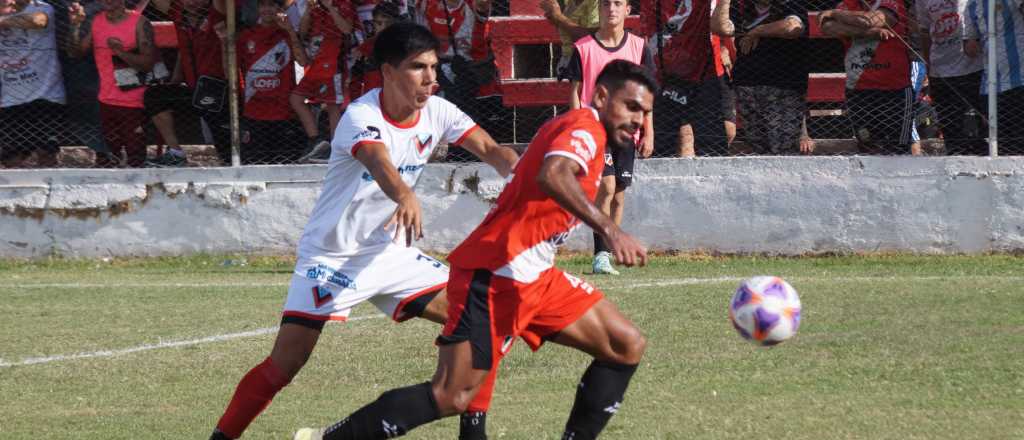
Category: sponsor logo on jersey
<point>266,83</point>
<point>404,169</point>
<point>423,141</point>
<point>370,132</point>
<point>321,296</point>
<point>324,273</point>
<point>584,144</point>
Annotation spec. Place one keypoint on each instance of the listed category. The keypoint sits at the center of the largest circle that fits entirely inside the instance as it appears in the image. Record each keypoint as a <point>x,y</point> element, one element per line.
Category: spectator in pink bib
<point>121,41</point>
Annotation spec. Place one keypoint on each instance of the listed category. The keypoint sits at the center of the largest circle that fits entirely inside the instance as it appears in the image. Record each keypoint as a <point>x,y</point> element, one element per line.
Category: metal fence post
<point>993,83</point>
<point>232,75</point>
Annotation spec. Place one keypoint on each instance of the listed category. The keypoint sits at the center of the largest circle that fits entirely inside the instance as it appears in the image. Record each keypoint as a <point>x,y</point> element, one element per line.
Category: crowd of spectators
<point>89,73</point>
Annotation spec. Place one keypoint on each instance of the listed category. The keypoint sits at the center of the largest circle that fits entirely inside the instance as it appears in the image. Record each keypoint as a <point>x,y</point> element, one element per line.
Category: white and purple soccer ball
<point>765,310</point>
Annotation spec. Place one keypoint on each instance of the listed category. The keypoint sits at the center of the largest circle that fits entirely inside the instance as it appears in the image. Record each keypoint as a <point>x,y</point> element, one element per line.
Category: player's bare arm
<point>557,177</point>
<point>483,146</point>
<point>408,216</point>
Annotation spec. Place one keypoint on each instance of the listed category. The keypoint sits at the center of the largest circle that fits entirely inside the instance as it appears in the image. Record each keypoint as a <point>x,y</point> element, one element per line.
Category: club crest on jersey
<point>423,141</point>
<point>250,46</point>
<point>370,132</point>
<point>321,296</point>
<point>583,144</point>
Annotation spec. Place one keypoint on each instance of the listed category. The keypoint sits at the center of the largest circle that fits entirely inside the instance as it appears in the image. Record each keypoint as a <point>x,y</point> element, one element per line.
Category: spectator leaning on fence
<point>459,25</point>
<point>325,28</point>
<point>589,57</point>
<point>121,41</point>
<point>31,87</point>
<point>879,99</point>
<point>770,73</point>
<point>1010,70</point>
<point>688,112</point>
<point>365,70</point>
<point>574,19</point>
<point>197,90</point>
<point>265,56</point>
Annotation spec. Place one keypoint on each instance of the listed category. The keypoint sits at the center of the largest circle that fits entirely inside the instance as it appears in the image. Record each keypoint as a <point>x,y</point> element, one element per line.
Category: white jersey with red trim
<point>350,215</point>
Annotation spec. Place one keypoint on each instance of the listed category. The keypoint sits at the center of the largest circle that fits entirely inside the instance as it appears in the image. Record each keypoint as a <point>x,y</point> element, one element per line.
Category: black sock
<point>597,399</point>
<point>600,245</point>
<point>473,426</point>
<point>217,435</point>
<point>393,414</point>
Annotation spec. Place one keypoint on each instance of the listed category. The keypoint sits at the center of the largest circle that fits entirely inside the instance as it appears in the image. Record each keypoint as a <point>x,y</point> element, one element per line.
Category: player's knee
<point>453,401</point>
<point>291,361</point>
<point>630,346</point>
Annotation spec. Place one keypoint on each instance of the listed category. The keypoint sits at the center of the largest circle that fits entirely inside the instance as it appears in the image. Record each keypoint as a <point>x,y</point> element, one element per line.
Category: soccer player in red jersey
<point>265,55</point>
<point>348,253</point>
<point>504,285</point>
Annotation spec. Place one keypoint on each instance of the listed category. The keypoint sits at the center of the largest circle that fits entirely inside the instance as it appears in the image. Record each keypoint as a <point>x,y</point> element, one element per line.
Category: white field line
<point>268,330</point>
<point>594,280</point>
<point>157,346</point>
<point>134,285</point>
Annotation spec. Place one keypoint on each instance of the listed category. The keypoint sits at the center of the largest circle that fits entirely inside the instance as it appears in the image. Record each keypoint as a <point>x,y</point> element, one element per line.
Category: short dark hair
<point>387,9</point>
<point>616,73</point>
<point>400,40</point>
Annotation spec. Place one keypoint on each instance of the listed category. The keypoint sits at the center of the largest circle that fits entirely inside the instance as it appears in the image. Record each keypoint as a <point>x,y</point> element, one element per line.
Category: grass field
<point>890,348</point>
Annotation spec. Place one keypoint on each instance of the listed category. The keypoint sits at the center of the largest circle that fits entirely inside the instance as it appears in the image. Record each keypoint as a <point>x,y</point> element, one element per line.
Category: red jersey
<point>464,27</point>
<point>266,62</point>
<point>873,64</point>
<point>685,45</point>
<point>365,73</point>
<point>519,237</point>
<point>364,19</point>
<point>199,47</point>
<point>326,40</point>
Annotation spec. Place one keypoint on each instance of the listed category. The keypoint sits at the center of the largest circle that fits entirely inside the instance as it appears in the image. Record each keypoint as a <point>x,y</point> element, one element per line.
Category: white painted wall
<point>790,205</point>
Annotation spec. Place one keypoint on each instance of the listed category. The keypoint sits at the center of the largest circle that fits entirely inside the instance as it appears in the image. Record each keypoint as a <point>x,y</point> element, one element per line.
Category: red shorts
<point>491,311</point>
<point>321,89</point>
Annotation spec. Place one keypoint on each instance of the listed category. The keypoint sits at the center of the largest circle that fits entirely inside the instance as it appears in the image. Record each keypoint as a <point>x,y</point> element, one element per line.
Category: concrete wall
<point>789,205</point>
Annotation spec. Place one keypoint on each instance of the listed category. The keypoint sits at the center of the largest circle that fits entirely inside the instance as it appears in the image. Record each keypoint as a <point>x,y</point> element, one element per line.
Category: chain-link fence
<point>108,83</point>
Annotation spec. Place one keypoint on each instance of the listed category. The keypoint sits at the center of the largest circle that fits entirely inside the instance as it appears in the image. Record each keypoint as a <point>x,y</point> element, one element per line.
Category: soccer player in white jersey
<point>357,245</point>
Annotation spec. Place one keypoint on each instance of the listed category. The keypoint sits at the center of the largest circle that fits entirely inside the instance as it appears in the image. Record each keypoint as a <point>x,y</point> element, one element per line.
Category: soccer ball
<point>765,310</point>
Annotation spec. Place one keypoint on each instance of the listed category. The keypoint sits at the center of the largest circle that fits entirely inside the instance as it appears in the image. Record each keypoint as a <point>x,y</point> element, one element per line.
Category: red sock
<point>254,393</point>
<point>482,401</point>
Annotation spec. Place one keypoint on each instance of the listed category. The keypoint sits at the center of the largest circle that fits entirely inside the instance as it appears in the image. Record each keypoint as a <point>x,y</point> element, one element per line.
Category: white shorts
<point>325,289</point>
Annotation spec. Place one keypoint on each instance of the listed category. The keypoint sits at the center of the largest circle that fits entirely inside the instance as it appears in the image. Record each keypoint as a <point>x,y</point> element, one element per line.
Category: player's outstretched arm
<point>408,216</point>
<point>483,146</point>
<point>557,178</point>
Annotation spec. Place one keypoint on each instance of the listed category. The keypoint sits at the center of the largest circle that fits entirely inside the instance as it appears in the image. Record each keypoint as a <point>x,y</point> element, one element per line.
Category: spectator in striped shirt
<point>1010,71</point>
